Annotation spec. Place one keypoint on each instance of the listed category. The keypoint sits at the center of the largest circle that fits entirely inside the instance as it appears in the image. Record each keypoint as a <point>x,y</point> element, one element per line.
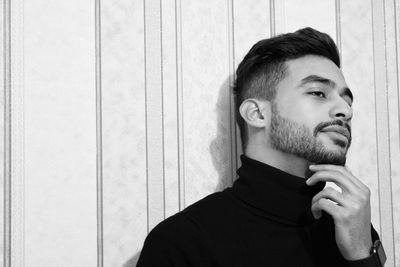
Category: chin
<point>336,145</point>
<point>334,155</point>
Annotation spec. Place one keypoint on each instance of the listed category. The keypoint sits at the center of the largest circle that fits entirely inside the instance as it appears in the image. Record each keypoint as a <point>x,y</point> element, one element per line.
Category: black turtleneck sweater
<point>264,219</point>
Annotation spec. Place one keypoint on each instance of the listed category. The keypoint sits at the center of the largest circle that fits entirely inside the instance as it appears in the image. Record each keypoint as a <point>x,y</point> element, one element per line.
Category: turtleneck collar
<point>277,194</point>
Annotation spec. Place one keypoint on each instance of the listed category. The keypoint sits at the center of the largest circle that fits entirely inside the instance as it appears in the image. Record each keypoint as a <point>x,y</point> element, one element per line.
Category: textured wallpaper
<point>124,132</point>
<point>57,88</point>
<point>160,101</point>
<point>2,133</point>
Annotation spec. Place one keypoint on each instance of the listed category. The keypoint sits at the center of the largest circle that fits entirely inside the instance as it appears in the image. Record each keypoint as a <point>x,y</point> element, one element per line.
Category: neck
<point>286,162</point>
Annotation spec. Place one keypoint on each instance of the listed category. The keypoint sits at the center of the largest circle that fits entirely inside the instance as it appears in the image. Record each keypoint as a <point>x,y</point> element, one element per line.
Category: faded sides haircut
<point>264,65</point>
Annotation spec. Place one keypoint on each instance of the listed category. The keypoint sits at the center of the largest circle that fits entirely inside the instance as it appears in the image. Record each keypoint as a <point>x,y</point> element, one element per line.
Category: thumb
<point>316,210</point>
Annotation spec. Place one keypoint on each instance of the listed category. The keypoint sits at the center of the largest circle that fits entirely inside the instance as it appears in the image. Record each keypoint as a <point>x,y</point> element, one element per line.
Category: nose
<point>341,110</point>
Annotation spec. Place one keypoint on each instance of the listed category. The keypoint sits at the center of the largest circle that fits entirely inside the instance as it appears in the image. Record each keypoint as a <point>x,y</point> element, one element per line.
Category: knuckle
<point>317,175</point>
<point>329,189</point>
<point>366,195</point>
<point>332,192</point>
<point>356,206</point>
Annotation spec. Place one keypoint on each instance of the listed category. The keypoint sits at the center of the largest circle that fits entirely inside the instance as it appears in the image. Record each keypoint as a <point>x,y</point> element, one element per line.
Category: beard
<point>294,138</point>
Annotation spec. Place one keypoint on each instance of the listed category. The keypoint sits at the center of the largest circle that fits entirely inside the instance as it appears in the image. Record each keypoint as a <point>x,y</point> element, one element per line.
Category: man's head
<point>290,91</point>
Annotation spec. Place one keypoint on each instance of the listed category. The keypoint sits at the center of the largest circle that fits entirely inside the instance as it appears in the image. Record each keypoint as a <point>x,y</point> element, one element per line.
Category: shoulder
<point>211,205</point>
<point>182,238</point>
<point>192,220</point>
<point>173,242</point>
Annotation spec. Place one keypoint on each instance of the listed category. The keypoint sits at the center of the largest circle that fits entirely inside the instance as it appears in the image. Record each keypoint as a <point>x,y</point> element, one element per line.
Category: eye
<point>317,93</point>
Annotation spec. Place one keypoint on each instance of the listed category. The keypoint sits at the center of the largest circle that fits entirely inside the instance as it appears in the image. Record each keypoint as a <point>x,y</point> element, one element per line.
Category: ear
<point>256,113</point>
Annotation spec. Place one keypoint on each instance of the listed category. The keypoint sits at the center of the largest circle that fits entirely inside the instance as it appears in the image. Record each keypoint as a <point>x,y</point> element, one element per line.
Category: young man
<point>294,111</point>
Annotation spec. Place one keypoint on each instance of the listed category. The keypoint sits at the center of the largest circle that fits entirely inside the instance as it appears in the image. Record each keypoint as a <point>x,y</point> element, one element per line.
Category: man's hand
<point>350,209</point>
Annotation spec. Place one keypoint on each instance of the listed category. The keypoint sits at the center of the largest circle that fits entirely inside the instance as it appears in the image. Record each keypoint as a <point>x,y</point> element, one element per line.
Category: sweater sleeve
<point>370,261</point>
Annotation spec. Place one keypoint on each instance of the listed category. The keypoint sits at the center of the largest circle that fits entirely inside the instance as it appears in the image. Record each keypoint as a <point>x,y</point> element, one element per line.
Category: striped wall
<point>118,114</point>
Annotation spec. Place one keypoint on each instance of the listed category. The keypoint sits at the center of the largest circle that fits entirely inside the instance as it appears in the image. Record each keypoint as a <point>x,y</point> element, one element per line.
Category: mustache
<point>338,122</point>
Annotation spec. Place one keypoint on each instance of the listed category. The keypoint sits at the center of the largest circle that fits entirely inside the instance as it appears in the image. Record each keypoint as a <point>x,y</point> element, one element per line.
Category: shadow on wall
<point>220,147</point>
<point>132,261</point>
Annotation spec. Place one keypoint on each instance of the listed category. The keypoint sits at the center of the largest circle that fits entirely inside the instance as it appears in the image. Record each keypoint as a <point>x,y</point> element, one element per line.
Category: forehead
<point>298,69</point>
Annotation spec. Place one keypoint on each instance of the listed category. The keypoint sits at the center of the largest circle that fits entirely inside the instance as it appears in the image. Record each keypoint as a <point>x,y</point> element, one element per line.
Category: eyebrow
<point>326,81</point>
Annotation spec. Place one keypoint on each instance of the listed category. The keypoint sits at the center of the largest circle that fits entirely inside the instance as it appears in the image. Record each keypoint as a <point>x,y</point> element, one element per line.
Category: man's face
<point>311,113</point>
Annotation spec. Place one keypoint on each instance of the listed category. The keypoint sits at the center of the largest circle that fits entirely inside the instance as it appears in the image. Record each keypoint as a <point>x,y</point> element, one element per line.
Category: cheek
<point>304,111</point>
<point>295,106</point>
<point>303,115</point>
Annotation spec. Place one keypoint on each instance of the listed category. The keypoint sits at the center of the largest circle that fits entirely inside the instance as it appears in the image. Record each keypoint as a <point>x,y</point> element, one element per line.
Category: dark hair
<point>264,65</point>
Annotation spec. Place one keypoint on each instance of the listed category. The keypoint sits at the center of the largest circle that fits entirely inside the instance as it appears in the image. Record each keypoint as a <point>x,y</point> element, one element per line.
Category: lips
<point>337,129</point>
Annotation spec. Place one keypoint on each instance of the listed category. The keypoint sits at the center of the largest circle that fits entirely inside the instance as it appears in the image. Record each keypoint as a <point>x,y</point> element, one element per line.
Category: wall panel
<point>205,61</point>
<point>394,107</point>
<point>382,123</point>
<point>392,39</point>
<point>14,135</point>
<point>59,126</point>
<point>124,131</point>
<point>251,24</point>
<point>311,13</point>
<point>171,106</point>
<point>393,122</point>
<point>2,127</point>
<point>154,114</point>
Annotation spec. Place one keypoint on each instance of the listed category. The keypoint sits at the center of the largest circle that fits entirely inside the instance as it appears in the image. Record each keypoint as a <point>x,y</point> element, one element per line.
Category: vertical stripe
<point>231,68</point>
<point>272,17</point>
<point>154,113</point>
<point>394,118</point>
<point>7,133</point>
<point>99,142</point>
<point>15,179</point>
<point>170,106</point>
<point>145,117</point>
<point>162,108</point>
<point>179,88</point>
<point>376,135</point>
<point>277,17</point>
<point>396,259</point>
<point>382,134</point>
<point>338,26</point>
<point>397,63</point>
<point>392,90</point>
<point>2,129</point>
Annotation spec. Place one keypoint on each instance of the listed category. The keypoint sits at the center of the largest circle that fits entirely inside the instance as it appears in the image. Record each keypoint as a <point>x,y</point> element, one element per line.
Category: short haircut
<point>264,65</point>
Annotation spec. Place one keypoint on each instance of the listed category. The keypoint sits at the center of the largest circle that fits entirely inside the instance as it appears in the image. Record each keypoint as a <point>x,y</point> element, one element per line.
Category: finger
<point>326,205</point>
<point>349,177</point>
<point>332,176</point>
<point>331,194</point>
<point>342,169</point>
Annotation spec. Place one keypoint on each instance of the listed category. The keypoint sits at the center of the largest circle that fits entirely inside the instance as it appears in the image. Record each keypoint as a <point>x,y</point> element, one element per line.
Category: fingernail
<point>311,166</point>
